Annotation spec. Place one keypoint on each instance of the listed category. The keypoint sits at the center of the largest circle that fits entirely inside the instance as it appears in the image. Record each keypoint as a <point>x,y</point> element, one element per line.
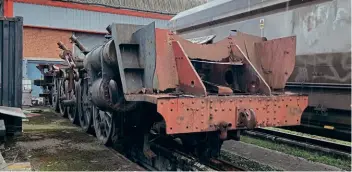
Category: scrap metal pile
<point>146,83</point>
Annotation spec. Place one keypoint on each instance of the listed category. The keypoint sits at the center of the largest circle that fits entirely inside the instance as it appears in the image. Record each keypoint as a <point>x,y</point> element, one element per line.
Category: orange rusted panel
<point>220,51</point>
<point>187,115</point>
<point>165,70</point>
<point>189,80</point>
<point>244,45</point>
<point>238,48</point>
<point>277,58</point>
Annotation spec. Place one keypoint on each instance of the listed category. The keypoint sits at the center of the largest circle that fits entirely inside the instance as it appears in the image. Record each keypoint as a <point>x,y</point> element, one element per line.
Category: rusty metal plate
<point>244,45</point>
<point>165,71</point>
<point>188,115</point>
<point>277,58</point>
<point>253,78</point>
<point>219,51</point>
<point>189,80</point>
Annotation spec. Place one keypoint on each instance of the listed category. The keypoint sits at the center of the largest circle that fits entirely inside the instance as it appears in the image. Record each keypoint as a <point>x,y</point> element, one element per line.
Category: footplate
<point>212,113</point>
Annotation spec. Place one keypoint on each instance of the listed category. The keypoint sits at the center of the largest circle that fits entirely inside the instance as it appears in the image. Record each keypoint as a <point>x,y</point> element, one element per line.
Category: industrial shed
<point>48,21</point>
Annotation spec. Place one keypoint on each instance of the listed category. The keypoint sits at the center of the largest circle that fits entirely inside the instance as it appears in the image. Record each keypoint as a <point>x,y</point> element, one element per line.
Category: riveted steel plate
<point>187,115</point>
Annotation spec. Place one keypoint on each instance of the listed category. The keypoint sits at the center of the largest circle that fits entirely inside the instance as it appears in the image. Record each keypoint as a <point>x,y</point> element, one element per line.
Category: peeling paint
<point>310,23</point>
<point>302,75</point>
<point>342,18</point>
<point>323,68</point>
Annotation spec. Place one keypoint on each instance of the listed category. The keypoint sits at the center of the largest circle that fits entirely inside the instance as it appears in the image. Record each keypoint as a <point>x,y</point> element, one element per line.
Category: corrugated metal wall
<point>1,8</point>
<point>11,61</point>
<point>161,6</point>
<point>65,18</point>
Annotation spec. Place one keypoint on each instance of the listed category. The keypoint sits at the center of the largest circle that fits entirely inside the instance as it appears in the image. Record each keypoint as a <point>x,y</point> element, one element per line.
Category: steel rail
<point>118,154</point>
<point>222,165</point>
<point>306,142</point>
<point>183,161</point>
<point>195,164</point>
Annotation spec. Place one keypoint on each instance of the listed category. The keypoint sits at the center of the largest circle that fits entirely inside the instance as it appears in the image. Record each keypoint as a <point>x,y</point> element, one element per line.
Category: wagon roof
<point>215,10</point>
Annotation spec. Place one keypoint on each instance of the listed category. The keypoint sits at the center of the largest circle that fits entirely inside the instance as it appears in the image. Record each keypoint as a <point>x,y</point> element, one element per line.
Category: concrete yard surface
<point>3,165</point>
<point>274,158</point>
<point>50,142</point>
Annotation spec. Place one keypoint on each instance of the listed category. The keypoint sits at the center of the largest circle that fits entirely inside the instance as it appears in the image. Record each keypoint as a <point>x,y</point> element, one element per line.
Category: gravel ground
<point>274,159</point>
<point>52,143</point>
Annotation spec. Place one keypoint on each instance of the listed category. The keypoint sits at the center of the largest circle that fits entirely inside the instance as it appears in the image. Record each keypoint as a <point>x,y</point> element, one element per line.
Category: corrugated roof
<point>75,19</point>
<point>1,8</point>
<point>170,7</point>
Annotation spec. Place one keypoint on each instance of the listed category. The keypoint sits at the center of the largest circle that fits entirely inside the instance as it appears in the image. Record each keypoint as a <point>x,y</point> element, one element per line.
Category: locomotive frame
<point>144,83</point>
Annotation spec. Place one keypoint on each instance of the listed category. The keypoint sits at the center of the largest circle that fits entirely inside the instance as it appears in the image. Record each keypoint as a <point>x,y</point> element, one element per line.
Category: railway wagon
<point>323,53</point>
<point>145,84</point>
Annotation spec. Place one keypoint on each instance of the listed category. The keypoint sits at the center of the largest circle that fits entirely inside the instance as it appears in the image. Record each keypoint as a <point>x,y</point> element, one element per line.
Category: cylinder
<point>93,59</point>
<point>104,93</point>
<point>108,52</point>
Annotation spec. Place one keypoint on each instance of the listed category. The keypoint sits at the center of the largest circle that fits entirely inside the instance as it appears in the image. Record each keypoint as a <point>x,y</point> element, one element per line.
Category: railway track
<point>173,160</point>
<point>302,141</point>
<point>314,129</point>
<point>222,165</point>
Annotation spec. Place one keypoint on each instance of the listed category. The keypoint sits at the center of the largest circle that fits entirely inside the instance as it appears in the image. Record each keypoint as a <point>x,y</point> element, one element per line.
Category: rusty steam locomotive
<point>145,83</point>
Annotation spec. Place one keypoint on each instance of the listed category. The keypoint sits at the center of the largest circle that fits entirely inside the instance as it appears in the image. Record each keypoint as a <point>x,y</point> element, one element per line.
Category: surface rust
<point>182,98</point>
<point>189,80</point>
<point>224,90</point>
<point>165,71</point>
<point>244,46</point>
<point>277,60</point>
<point>186,115</point>
<point>256,55</point>
<point>211,52</point>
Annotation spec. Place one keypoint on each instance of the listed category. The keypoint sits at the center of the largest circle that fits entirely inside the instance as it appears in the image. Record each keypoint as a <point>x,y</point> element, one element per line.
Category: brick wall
<point>42,43</point>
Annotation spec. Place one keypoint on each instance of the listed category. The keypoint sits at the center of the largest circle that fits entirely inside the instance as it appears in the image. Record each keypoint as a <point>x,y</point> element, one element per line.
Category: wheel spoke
<point>62,93</point>
<point>85,116</point>
<point>108,119</point>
